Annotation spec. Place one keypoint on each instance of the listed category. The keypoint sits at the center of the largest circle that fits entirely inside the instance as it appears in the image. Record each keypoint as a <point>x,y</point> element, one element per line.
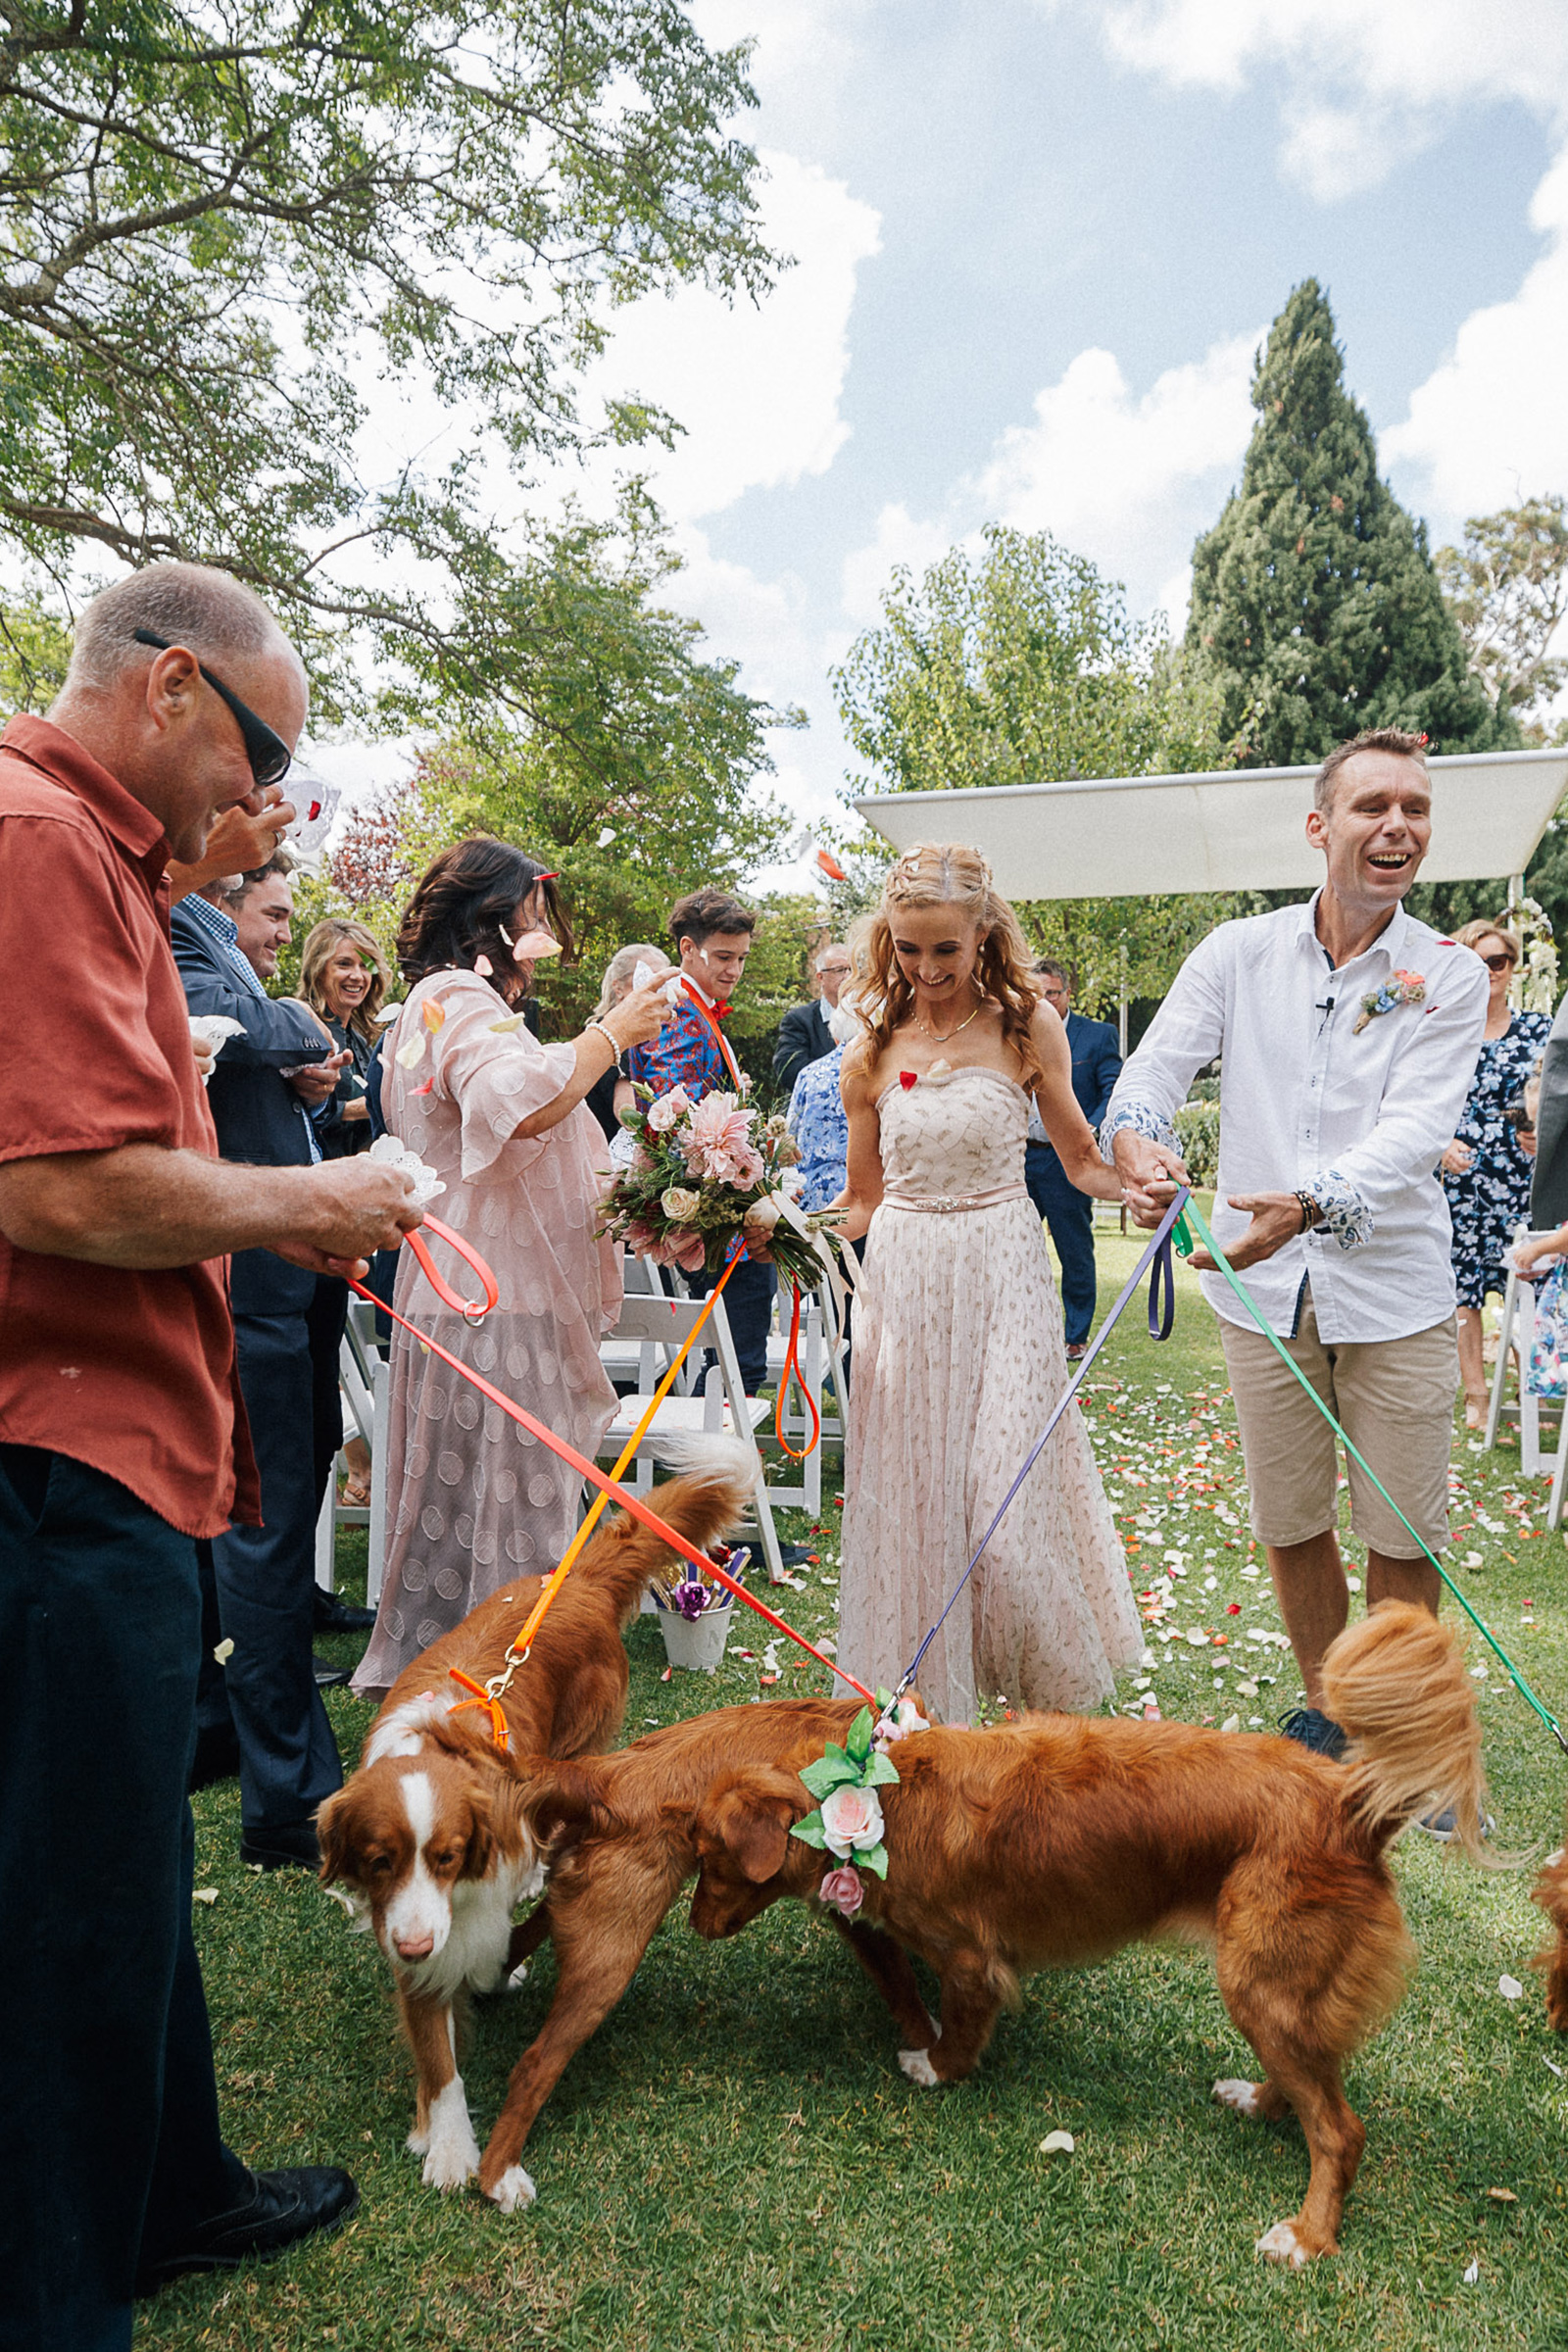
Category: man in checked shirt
<point>1349,1033</point>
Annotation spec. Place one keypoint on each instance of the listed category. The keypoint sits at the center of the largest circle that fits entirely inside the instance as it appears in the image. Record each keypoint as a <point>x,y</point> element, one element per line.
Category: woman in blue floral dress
<point>1485,1173</point>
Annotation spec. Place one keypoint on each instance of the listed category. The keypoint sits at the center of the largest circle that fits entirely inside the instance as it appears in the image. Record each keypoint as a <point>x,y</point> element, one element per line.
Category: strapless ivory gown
<point>958,1358</point>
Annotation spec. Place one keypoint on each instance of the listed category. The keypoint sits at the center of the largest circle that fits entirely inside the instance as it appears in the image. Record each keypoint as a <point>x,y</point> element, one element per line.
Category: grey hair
<point>188,604</point>
<point>621,966</point>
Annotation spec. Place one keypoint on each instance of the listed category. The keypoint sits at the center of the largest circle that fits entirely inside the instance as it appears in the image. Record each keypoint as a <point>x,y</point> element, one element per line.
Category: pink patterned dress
<point>471,1498</point>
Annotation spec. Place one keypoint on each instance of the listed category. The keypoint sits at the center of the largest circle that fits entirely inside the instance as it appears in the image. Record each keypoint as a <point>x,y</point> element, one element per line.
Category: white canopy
<point>1123,837</point>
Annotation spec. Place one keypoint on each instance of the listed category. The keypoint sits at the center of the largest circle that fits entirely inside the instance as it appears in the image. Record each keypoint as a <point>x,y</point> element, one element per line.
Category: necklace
<point>943,1034</point>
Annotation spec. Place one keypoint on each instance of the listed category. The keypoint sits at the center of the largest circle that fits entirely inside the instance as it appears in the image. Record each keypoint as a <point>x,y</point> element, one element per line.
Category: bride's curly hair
<point>949,873</point>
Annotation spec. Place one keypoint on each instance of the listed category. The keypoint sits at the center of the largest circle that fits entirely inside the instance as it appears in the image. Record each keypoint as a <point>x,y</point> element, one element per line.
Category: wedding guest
<point>1486,1171</point>
<point>817,1117</point>
<point>958,1336</point>
<point>1350,1033</point>
<point>804,1033</point>
<point>183,700</point>
<point>264,1709</point>
<point>712,936</point>
<point>607,1094</point>
<point>343,979</point>
<point>1068,1212</point>
<point>503,1120</point>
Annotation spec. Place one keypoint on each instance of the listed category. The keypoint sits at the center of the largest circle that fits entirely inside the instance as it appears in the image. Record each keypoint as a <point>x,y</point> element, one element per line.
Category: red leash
<point>472,1309</point>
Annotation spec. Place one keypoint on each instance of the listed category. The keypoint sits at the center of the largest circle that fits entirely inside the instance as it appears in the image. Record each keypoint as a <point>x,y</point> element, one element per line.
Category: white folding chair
<point>658,1326</point>
<point>363,1377</point>
<point>1514,1334</point>
<point>820,1360</point>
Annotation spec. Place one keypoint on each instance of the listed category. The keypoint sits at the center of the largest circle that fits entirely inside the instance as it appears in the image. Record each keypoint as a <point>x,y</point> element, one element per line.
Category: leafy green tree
<point>1020,666</point>
<point>35,650</point>
<point>1507,589</point>
<point>1315,602</point>
<point>208,219</point>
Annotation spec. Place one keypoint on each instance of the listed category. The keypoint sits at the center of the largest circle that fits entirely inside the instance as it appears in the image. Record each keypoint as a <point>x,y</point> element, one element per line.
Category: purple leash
<point>1161,1316</point>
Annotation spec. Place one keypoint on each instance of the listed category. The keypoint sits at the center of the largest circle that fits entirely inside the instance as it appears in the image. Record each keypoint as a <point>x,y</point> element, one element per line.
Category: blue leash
<point>1161,1316</point>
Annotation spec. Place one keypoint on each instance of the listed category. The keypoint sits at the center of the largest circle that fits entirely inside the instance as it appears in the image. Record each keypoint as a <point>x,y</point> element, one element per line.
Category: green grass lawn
<point>736,2159</point>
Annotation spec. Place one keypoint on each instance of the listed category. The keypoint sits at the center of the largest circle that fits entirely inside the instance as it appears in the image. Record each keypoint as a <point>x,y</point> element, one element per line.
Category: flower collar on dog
<point>1400,988</point>
<point>845,1781</point>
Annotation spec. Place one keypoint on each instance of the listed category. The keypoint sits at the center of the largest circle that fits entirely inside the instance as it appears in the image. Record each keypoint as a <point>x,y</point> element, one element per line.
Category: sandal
<point>355,1495</point>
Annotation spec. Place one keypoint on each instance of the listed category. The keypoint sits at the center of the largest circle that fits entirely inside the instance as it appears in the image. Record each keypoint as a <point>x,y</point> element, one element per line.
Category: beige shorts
<point>1393,1399</point>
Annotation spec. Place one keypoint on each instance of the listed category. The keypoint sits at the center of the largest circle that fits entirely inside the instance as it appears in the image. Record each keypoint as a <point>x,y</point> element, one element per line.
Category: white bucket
<point>698,1643</point>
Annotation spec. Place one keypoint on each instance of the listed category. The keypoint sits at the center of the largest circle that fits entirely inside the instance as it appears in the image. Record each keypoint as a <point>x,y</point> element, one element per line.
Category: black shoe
<point>287,2207</point>
<point>329,1677</point>
<point>216,1756</point>
<point>1315,1730</point>
<point>294,1846</point>
<point>334,1615</point>
<point>795,1555</point>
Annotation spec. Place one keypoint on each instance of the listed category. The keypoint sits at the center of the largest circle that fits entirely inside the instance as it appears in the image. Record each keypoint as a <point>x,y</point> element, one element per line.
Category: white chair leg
<point>375,1564</point>
<point>1499,1376</point>
<point>327,1533</point>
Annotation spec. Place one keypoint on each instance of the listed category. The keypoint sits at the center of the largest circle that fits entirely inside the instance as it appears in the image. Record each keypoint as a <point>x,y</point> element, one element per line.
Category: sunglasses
<point>269,754</point>
<point>1497,964</point>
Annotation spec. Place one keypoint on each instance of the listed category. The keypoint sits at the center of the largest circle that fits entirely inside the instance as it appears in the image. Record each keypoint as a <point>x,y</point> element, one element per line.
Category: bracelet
<point>1311,1214</point>
<point>610,1041</point>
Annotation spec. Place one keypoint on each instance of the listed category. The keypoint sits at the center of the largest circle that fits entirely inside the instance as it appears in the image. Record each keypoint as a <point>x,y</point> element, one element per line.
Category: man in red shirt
<point>122,1439</point>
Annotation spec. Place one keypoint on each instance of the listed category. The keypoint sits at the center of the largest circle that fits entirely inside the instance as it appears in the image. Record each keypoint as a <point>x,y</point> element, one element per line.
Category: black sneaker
<point>1311,1729</point>
<point>285,2207</point>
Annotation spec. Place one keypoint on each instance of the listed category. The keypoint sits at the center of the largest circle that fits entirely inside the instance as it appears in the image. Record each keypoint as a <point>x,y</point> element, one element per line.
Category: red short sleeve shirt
<point>131,1372</point>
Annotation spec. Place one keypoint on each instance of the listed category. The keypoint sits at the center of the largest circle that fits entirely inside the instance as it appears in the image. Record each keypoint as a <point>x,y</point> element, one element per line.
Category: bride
<point>958,1354</point>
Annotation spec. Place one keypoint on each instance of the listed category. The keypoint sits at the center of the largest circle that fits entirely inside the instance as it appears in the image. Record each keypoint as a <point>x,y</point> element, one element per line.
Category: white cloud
<point>1128,482</point>
<point>756,387</point>
<point>1368,82</point>
<point>1490,425</point>
<point>900,539</point>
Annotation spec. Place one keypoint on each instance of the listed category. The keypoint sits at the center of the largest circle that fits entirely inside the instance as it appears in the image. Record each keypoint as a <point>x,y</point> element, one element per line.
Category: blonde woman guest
<point>959,1332</point>
<point>473,1497</point>
<point>1485,1173</point>
<point>607,1094</point>
<point>343,978</point>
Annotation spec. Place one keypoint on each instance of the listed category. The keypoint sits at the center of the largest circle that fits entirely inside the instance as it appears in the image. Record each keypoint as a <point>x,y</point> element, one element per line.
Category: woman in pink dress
<point>471,1498</point>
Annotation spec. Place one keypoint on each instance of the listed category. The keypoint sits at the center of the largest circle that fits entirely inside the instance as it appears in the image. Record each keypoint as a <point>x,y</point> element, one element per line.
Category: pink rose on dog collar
<point>852,1821</point>
<point>843,1890</point>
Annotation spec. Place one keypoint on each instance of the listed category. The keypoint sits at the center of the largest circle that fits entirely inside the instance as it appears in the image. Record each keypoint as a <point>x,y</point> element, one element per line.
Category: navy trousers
<point>108,2063</point>
<point>748,1303</point>
<point>1070,1215</point>
<point>259,1591</point>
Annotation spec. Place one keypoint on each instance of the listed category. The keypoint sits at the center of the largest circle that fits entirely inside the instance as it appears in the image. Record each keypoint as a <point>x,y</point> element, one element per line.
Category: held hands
<point>352,1208</point>
<point>1152,1175</point>
<point>640,1016</point>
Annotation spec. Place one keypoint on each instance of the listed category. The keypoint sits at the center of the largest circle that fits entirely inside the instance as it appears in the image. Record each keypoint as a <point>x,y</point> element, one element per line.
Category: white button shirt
<point>1359,1120</point>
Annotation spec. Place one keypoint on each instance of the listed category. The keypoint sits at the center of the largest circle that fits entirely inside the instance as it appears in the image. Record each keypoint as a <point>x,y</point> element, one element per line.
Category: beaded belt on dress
<point>945,1204</point>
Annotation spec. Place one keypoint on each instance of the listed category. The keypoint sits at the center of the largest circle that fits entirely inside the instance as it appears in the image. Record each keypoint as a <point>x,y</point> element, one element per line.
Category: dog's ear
<point>332,1835</point>
<point>481,1851</point>
<point>749,1819</point>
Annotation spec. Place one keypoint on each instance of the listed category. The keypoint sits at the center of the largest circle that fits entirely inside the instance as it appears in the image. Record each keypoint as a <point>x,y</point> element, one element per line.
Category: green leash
<point>1184,1242</point>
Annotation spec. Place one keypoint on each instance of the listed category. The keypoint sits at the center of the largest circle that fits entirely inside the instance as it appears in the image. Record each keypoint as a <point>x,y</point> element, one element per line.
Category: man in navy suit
<point>802,1034</point>
<point>259,1583</point>
<point>1068,1212</point>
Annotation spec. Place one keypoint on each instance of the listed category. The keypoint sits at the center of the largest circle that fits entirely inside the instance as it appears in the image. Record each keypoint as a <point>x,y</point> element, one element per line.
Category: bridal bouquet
<point>701,1174</point>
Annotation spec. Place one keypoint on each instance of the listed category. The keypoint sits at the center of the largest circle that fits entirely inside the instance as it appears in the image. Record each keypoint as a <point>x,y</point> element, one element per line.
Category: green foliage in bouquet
<point>706,1176</point>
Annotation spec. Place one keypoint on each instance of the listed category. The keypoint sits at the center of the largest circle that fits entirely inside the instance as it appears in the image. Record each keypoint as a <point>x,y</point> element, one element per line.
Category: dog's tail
<point>1398,1684</point>
<point>1551,1891</point>
<point>718,1477</point>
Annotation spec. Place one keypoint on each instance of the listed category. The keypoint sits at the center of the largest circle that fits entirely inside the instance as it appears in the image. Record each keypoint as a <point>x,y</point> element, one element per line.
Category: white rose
<point>764,1214</point>
<point>679,1205</point>
<point>852,1821</point>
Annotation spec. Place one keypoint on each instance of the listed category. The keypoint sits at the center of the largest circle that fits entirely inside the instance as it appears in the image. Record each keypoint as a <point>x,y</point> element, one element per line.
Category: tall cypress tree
<point>1314,597</point>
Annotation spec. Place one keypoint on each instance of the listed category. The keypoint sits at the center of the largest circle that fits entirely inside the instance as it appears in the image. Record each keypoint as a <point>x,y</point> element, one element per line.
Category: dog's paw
<point>1242,2096</point>
<point>452,2160</point>
<point>513,2188</point>
<point>919,2069</point>
<point>1281,2244</point>
<point>517,1978</point>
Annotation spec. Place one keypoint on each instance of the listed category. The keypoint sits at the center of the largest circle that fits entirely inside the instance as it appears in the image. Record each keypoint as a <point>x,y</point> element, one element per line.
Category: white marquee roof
<point>1121,837</point>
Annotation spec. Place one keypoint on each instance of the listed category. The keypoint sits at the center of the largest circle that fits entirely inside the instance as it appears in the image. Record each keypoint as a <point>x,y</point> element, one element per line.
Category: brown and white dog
<point>1056,1840</point>
<point>427,1844</point>
<point>1551,1891</point>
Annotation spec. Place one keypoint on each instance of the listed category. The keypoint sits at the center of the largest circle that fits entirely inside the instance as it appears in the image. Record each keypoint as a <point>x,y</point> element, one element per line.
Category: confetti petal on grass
<point>1057,2143</point>
<point>1510,1988</point>
<point>1472,2272</point>
<point>207,1894</point>
<point>1232,1723</point>
<point>1502,2196</point>
<point>1556,2070</point>
<point>1473,1559</point>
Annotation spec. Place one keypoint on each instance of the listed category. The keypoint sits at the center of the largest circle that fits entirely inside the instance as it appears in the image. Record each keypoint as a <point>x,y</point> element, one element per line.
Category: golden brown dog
<point>429,1842</point>
<point>1551,1891</point>
<point>1057,1840</point>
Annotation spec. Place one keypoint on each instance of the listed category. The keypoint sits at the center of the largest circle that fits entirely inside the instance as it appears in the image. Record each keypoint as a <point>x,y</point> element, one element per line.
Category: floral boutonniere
<point>847,1820</point>
<point>1400,988</point>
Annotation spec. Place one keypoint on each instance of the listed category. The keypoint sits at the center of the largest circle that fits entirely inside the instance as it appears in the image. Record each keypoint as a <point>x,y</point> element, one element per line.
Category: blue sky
<point>1036,243</point>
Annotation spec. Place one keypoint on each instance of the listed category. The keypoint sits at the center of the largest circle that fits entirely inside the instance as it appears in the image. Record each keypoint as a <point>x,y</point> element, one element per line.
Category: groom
<point>1333,1116</point>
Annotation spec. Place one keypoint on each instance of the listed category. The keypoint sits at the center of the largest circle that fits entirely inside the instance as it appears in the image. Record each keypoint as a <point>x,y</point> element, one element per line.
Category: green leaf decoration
<point>809,1832</point>
<point>884,1697</point>
<point>830,1772</point>
<point>874,1858</point>
<point>881,1773</point>
<point>858,1743</point>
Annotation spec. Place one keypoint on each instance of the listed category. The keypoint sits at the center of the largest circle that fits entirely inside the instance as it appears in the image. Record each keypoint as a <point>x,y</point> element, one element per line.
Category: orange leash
<point>792,1371</point>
